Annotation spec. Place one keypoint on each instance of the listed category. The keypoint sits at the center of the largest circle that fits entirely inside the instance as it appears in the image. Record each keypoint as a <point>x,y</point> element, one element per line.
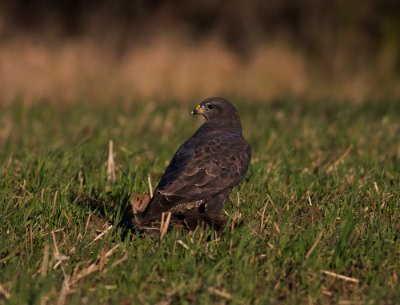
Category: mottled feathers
<point>205,168</point>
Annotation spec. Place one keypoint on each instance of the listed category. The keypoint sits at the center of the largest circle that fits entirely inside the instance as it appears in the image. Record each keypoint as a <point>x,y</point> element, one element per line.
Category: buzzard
<point>204,169</point>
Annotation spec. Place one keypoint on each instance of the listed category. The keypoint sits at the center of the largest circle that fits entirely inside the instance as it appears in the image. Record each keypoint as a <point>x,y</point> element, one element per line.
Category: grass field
<point>316,220</point>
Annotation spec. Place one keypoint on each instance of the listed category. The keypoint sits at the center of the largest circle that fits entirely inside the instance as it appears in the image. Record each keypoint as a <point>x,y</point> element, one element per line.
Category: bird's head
<point>218,110</point>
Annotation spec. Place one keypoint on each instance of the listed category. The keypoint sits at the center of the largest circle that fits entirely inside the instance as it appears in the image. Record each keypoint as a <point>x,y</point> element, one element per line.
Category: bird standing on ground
<point>204,169</point>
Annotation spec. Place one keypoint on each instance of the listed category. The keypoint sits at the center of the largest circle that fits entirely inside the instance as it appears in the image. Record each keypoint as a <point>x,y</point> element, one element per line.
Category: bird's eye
<point>210,106</point>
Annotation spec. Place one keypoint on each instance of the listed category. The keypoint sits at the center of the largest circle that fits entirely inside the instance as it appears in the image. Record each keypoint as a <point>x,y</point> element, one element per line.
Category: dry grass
<point>168,68</point>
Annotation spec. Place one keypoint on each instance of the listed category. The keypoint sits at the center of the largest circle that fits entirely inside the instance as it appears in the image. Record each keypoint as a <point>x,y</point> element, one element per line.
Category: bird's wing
<point>200,171</point>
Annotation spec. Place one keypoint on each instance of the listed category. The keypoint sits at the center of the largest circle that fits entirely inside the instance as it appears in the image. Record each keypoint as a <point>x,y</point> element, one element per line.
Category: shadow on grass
<point>110,207</point>
<point>114,207</point>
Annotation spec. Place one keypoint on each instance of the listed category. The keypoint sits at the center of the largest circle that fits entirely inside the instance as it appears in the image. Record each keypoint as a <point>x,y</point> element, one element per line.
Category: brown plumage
<point>204,169</point>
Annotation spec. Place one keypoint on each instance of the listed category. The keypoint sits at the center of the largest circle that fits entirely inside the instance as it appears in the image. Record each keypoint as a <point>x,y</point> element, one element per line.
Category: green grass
<point>329,169</point>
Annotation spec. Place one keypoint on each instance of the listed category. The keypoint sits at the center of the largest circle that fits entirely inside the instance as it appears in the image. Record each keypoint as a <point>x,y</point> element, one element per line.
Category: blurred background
<point>69,50</point>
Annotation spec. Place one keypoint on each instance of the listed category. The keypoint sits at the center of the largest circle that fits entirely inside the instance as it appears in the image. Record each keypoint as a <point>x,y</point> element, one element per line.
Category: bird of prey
<point>204,169</point>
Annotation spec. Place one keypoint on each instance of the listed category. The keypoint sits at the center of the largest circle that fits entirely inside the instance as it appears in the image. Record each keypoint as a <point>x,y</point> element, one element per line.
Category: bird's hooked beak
<point>199,109</point>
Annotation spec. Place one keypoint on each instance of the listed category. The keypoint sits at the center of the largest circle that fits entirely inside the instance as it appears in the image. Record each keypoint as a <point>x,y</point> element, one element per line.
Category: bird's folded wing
<point>206,171</point>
